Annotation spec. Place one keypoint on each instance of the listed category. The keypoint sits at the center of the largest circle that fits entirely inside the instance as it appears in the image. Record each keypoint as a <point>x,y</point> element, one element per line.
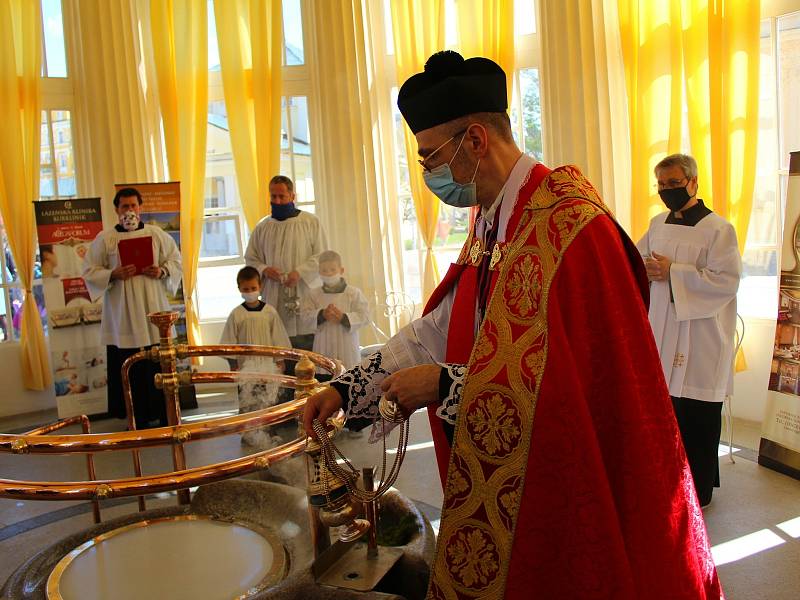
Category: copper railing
<point>87,428</point>
<point>176,434</point>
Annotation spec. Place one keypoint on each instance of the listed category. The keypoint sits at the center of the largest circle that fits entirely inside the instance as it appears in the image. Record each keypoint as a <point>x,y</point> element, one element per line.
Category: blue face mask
<point>441,183</point>
<point>282,212</point>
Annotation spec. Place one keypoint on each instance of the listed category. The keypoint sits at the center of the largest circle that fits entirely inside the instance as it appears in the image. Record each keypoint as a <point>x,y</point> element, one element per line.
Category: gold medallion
<point>476,253</point>
<point>497,255</point>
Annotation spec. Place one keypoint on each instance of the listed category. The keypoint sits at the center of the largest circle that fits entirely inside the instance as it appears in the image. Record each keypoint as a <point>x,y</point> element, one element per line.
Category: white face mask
<point>330,279</point>
<point>250,296</point>
<point>129,221</point>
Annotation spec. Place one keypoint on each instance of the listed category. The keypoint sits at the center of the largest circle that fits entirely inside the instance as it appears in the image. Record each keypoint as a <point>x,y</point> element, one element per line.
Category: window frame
<point>527,51</point>
<point>296,82</point>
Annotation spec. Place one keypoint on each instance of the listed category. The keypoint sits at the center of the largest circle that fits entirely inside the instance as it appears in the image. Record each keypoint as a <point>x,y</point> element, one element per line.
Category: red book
<point>136,251</point>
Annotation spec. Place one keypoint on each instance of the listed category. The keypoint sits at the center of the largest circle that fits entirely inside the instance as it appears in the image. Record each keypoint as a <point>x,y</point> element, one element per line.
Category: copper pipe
<point>151,484</point>
<point>126,394</point>
<point>167,357</point>
<point>87,428</point>
<point>45,429</point>
<point>246,350</point>
<point>147,438</point>
<point>236,377</point>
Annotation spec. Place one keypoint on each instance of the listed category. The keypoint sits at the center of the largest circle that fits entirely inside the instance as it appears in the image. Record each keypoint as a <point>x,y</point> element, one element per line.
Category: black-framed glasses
<point>422,161</point>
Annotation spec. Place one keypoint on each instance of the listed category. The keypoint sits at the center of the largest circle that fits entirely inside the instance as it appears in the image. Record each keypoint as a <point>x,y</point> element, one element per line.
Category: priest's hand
<point>320,406</point>
<point>413,388</point>
<point>153,271</point>
<point>272,273</point>
<point>123,272</point>
<point>292,279</point>
<point>657,267</point>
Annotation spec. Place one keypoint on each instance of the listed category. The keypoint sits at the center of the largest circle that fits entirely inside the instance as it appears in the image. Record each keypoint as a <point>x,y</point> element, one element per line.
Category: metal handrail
<point>147,438</point>
<point>176,434</point>
<point>87,428</point>
<point>137,486</point>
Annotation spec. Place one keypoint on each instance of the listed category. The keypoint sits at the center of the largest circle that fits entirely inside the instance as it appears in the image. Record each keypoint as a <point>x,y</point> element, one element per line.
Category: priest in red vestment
<point>561,462</point>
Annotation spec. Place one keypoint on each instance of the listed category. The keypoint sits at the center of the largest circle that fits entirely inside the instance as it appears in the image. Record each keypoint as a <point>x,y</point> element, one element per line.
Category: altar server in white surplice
<point>254,322</point>
<point>693,262</point>
<point>284,248</point>
<point>337,310</point>
<point>127,299</point>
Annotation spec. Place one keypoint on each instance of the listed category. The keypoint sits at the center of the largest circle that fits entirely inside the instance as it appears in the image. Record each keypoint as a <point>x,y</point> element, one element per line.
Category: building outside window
<point>225,230</point>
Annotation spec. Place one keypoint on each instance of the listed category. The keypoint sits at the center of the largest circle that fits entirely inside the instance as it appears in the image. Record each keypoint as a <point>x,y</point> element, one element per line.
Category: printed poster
<point>780,435</point>
<point>66,228</point>
<point>161,207</point>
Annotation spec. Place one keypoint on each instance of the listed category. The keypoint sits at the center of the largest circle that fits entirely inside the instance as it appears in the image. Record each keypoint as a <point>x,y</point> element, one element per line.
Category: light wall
<point>750,387</point>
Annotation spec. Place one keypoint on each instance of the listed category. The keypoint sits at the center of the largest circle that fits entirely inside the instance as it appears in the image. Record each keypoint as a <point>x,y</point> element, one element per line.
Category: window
<point>779,133</point>
<point>293,47</point>
<point>526,121</point>
<point>57,164</point>
<point>57,176</point>
<point>11,293</point>
<point>296,149</point>
<point>225,230</point>
<point>54,55</point>
<point>56,179</point>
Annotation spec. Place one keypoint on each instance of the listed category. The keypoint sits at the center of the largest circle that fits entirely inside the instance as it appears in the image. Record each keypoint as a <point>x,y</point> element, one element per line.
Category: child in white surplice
<point>254,322</point>
<point>338,310</point>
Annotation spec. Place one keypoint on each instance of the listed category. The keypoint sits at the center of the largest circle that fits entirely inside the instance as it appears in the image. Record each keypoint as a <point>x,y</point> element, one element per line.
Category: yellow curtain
<point>712,48</point>
<point>20,113</point>
<point>180,46</point>
<point>721,42</point>
<point>651,49</point>
<point>418,27</point>
<point>486,28</point>
<point>584,117</point>
<point>250,36</point>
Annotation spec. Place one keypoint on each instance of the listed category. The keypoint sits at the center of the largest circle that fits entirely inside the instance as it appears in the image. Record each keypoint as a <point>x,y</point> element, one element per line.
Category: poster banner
<point>65,229</point>
<point>780,435</point>
<point>161,207</point>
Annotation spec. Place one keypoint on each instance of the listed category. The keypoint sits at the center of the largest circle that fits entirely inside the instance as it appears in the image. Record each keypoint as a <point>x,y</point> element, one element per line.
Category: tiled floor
<point>750,522</point>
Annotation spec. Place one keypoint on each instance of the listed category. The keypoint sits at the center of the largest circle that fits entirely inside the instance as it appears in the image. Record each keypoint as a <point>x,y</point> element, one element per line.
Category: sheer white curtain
<point>353,152</point>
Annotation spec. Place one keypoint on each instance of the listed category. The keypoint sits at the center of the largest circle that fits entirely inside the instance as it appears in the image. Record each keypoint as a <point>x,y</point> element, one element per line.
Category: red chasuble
<point>567,477</point>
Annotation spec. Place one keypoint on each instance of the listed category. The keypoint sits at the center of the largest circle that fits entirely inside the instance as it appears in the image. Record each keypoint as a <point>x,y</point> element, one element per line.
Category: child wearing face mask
<point>338,309</point>
<point>254,322</point>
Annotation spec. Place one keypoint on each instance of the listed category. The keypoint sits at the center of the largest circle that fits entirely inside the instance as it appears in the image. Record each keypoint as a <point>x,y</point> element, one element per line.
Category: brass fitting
<point>181,435</point>
<point>103,491</point>
<point>19,446</point>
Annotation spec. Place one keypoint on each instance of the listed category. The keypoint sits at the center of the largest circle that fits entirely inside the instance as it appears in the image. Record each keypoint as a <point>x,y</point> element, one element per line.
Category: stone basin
<point>265,518</point>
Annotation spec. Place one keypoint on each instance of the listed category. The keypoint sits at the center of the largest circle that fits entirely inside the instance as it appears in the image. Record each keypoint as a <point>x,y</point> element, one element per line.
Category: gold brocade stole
<point>492,438</point>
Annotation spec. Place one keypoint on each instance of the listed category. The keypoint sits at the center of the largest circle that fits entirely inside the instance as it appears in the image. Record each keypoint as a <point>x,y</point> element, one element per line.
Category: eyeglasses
<point>422,161</point>
<point>671,184</point>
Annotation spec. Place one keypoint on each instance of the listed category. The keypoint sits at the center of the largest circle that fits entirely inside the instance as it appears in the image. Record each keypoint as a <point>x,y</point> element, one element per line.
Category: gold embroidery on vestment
<point>492,439</point>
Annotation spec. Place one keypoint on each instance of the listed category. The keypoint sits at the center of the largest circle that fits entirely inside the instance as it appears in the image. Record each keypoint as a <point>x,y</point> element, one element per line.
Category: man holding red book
<point>132,266</point>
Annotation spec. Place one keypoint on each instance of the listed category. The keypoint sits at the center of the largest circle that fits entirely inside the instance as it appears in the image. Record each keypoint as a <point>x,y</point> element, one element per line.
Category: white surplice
<point>293,244</point>
<point>334,340</point>
<point>695,325</point>
<point>126,303</point>
<point>262,327</point>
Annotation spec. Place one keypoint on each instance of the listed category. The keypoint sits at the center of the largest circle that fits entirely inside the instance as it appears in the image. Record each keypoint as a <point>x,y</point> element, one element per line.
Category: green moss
<point>393,532</point>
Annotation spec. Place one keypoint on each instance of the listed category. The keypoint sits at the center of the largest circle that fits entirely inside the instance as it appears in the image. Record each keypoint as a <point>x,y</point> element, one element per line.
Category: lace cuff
<point>360,389</point>
<point>451,386</point>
